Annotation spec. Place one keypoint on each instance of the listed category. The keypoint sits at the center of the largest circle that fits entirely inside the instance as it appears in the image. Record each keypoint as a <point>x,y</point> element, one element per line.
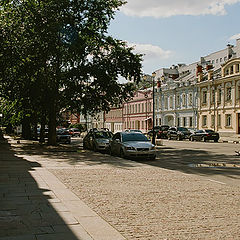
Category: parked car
<point>97,140</point>
<point>178,133</point>
<point>75,132</point>
<point>63,136</point>
<point>160,131</point>
<point>204,135</point>
<point>132,144</point>
<point>133,130</point>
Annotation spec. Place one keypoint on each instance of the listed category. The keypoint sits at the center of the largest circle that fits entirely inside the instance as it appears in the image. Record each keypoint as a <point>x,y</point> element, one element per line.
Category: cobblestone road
<point>153,203</point>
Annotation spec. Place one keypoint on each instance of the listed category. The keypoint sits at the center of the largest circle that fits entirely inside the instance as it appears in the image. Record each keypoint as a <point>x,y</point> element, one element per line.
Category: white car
<point>132,144</point>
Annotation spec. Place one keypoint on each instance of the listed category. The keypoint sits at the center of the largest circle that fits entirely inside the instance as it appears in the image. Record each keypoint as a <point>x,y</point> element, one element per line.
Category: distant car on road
<point>75,132</point>
<point>133,130</point>
<point>178,133</point>
<point>204,135</point>
<point>63,136</point>
<point>132,144</point>
<point>97,140</point>
<point>160,131</point>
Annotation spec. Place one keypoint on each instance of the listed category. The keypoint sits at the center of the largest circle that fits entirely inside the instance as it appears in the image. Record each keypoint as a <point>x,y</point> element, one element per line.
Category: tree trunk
<point>26,128</point>
<point>52,140</point>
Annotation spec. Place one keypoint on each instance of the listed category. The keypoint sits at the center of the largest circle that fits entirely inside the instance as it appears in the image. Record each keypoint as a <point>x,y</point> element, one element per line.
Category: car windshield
<point>182,129</point>
<point>102,134</point>
<point>134,137</point>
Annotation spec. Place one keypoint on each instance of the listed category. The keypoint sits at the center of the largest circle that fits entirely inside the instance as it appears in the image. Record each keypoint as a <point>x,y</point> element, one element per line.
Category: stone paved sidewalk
<point>35,205</point>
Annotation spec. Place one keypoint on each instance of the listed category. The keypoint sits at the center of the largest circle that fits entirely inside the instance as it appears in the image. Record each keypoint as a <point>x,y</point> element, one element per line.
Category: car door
<point>173,132</point>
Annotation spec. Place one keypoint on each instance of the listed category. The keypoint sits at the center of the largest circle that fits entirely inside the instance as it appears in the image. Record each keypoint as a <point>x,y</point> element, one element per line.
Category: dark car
<point>97,140</point>
<point>204,135</point>
<point>160,131</point>
<point>63,136</point>
<point>75,132</point>
<point>178,133</point>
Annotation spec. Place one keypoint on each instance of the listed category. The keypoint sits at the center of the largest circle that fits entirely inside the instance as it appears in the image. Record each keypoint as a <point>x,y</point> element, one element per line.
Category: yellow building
<point>219,98</point>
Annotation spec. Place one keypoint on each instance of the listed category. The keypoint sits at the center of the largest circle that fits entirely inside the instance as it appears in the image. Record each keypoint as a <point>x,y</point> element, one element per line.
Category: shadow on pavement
<point>26,207</point>
<point>197,162</point>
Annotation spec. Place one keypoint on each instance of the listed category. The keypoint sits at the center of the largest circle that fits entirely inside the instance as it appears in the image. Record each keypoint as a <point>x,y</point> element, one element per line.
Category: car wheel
<point>122,155</point>
<point>153,158</point>
<point>94,148</point>
<point>110,151</point>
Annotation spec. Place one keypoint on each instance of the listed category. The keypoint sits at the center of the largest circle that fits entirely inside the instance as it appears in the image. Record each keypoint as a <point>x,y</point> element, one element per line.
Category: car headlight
<point>129,148</point>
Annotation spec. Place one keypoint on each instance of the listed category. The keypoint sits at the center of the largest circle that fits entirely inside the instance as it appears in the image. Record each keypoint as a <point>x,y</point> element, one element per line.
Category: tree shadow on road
<point>197,161</point>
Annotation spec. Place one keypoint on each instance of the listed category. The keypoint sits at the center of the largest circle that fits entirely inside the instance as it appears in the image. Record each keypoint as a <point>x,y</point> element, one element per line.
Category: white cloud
<point>153,56</point>
<point>166,8</point>
<point>150,52</point>
<point>234,37</point>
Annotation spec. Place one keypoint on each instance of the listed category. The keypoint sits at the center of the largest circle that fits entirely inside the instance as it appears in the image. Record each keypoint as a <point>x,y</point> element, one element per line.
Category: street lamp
<point>153,124</point>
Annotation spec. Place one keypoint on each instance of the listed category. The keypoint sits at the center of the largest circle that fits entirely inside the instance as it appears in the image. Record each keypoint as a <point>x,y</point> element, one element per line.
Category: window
<point>139,108</point>
<point>228,93</point>
<point>216,60</point>
<point>178,122</point>
<point>135,108</point>
<point>184,99</point>
<point>228,120</point>
<point>204,120</point>
<point>190,121</point>
<point>227,72</point>
<point>219,95</point>
<point>204,97</point>
<point>220,59</point>
<point>219,120</point>
<point>231,70</point>
<point>190,100</point>
<point>178,100</point>
<point>166,103</point>
<point>142,107</point>
<point>225,58</point>
<point>212,61</point>
<point>171,102</point>
<point>184,122</point>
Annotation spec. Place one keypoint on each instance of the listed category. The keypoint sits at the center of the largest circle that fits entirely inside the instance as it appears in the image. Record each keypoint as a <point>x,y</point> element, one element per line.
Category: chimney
<point>199,69</point>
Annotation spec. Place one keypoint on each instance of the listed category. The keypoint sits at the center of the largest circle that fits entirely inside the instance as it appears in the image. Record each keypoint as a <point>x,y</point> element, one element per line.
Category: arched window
<point>238,90</point>
<point>184,99</point>
<point>228,92</point>
<point>190,99</point>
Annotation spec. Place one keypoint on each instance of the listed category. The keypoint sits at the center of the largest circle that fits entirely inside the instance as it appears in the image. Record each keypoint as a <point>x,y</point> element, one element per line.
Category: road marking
<point>216,181</point>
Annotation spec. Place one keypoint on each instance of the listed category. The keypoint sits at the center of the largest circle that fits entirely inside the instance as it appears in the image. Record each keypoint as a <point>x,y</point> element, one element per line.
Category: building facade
<point>138,112</point>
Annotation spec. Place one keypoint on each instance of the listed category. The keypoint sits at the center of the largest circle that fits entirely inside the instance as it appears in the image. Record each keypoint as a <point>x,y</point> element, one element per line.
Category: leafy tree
<point>57,54</point>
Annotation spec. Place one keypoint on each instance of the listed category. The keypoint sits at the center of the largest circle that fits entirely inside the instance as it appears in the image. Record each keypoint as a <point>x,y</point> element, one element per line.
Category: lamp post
<point>153,95</point>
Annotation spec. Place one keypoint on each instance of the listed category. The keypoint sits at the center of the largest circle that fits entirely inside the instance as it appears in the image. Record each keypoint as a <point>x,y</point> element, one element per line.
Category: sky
<point>169,32</point>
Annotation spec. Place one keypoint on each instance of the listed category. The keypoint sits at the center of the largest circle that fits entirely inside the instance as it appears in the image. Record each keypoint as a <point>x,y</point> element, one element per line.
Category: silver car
<point>132,144</point>
<point>97,140</point>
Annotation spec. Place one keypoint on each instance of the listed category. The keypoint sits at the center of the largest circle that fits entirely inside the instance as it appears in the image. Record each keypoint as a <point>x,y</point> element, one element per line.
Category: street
<point>169,198</point>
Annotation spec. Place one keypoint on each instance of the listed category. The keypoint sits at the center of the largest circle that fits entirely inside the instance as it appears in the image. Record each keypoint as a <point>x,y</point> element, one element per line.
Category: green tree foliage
<point>57,54</point>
